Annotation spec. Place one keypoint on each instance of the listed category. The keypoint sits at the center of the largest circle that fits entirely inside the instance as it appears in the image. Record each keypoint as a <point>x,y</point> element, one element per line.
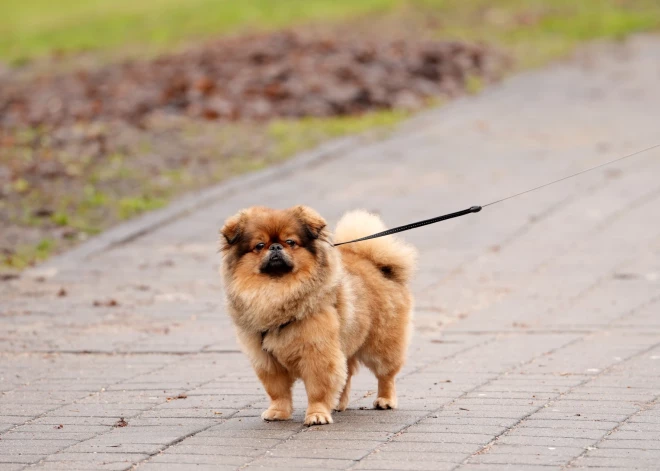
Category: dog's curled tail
<point>395,258</point>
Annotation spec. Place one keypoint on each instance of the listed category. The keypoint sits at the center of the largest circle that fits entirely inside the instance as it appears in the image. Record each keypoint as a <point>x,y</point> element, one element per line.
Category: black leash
<point>476,209</point>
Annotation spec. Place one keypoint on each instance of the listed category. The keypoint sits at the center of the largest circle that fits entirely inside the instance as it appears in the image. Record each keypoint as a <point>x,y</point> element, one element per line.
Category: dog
<point>305,309</point>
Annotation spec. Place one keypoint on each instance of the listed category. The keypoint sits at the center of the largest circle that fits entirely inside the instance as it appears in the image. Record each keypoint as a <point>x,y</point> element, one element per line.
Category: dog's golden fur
<point>304,309</point>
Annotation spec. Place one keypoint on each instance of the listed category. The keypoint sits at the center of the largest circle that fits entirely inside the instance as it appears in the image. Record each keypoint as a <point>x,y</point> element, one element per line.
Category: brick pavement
<point>537,340</point>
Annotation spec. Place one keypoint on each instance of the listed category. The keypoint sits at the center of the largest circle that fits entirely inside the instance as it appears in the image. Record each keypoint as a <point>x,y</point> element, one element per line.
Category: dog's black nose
<point>276,247</point>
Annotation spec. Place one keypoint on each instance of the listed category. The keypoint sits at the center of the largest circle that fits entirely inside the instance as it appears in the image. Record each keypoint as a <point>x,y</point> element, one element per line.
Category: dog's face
<point>261,244</point>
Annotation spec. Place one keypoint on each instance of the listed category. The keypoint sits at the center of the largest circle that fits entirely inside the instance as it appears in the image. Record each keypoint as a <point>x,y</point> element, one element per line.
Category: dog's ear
<point>311,220</point>
<point>233,229</point>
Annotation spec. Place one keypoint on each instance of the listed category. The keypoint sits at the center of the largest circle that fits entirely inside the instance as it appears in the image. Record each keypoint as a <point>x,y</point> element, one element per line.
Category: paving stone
<point>184,467</point>
<point>296,463</point>
<point>521,461</point>
<point>352,453</point>
<point>375,464</point>
<point>13,458</point>
<point>444,438</point>
<point>642,444</point>
<point>631,463</point>
<point>334,444</point>
<point>508,467</point>
<point>80,466</point>
<point>434,447</point>
<point>557,433</point>
<point>544,441</point>
<point>11,466</point>
<point>98,457</point>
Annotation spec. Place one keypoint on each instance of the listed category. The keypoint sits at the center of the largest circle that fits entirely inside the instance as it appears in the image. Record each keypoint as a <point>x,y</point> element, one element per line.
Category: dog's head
<point>263,244</point>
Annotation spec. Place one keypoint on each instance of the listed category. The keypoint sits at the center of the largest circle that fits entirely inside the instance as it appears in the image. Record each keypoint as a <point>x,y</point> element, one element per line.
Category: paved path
<point>537,344</point>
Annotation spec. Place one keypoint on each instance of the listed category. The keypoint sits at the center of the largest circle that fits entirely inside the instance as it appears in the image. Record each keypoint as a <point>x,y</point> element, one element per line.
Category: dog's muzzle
<point>276,262</point>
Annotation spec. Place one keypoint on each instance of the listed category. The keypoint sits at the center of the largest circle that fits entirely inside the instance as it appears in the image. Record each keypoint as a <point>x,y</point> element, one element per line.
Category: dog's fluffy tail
<point>395,258</point>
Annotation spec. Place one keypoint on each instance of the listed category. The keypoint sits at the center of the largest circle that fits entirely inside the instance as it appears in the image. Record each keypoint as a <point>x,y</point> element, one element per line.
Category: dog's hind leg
<point>345,394</point>
<point>386,391</point>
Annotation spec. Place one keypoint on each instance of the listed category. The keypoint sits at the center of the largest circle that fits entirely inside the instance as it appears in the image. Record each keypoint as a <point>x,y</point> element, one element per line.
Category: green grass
<point>541,29</point>
<point>37,27</point>
<point>292,136</point>
<point>537,31</point>
<point>26,255</point>
<point>132,206</point>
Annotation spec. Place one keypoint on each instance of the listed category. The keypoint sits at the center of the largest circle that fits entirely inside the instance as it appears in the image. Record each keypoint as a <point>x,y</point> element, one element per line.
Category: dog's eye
<point>290,242</point>
<point>260,246</point>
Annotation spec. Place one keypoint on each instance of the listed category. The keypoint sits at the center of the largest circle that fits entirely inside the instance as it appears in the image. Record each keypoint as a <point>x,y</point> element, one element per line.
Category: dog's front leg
<point>278,383</point>
<point>324,376</point>
<point>277,380</point>
<point>322,367</point>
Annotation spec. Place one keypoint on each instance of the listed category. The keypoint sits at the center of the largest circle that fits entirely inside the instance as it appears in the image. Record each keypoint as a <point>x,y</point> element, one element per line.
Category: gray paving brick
<point>631,463</point>
<point>19,458</point>
<point>545,441</point>
<point>404,465</point>
<point>645,444</point>
<point>194,459</point>
<point>301,451</point>
<point>81,466</point>
<point>184,467</point>
<point>99,457</point>
<point>579,424</point>
<point>624,453</point>
<point>437,437</point>
<point>36,447</point>
<point>297,463</point>
<point>11,466</point>
<point>539,450</point>
<point>354,444</point>
<point>185,449</point>
<point>518,460</point>
<point>433,447</point>
<point>220,433</point>
<point>508,467</point>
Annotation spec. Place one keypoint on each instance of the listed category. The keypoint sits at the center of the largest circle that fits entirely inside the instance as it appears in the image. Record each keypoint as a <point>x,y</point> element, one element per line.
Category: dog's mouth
<point>276,265</point>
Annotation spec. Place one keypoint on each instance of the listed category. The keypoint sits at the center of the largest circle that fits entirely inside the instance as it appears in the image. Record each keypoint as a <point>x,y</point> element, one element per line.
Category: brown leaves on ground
<point>276,75</point>
<point>121,423</point>
<point>106,303</point>
<point>180,396</point>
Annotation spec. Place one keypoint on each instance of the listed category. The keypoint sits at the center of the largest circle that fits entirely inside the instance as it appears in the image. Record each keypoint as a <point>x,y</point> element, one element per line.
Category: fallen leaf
<point>108,303</point>
<point>121,423</point>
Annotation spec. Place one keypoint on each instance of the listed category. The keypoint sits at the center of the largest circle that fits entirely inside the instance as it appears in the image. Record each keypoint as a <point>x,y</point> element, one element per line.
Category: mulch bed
<point>259,77</point>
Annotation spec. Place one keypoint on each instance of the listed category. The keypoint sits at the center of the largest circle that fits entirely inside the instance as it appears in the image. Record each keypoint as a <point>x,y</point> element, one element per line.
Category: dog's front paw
<point>271,414</point>
<point>318,418</point>
<point>385,403</point>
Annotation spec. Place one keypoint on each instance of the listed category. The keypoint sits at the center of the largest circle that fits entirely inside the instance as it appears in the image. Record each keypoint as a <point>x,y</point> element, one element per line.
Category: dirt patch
<point>83,149</point>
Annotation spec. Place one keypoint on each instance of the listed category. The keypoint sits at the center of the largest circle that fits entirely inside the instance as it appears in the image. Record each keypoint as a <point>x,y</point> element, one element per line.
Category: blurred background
<point>110,108</point>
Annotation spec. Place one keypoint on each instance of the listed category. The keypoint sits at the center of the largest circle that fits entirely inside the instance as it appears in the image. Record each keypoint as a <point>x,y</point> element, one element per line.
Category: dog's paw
<point>343,404</point>
<point>318,418</point>
<point>385,403</point>
<point>272,414</point>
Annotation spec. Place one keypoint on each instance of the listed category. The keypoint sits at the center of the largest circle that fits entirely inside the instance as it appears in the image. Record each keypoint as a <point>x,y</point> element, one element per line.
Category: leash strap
<point>415,225</point>
<point>476,209</point>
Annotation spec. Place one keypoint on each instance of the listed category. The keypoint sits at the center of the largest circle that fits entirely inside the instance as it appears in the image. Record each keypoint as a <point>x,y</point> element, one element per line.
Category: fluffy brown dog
<point>304,309</point>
